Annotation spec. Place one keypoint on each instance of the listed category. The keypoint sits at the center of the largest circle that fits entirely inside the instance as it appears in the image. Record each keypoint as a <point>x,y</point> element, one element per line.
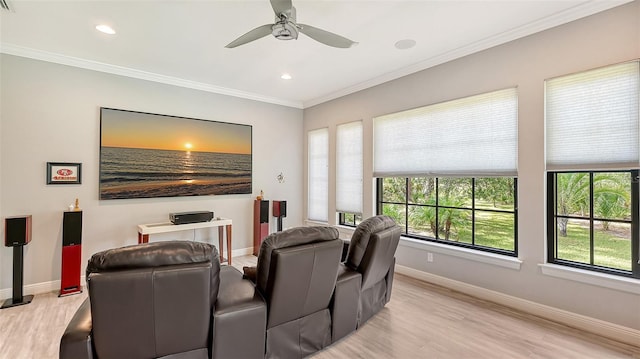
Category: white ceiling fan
<point>286,28</point>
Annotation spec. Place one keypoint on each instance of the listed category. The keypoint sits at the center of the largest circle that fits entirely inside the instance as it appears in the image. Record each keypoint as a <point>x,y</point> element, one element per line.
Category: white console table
<point>144,230</point>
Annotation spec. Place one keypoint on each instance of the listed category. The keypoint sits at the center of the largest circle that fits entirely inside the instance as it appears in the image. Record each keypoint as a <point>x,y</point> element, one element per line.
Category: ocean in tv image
<point>145,155</point>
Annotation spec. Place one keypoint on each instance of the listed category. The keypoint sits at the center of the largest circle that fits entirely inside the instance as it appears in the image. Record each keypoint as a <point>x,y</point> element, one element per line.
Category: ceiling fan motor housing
<point>284,31</point>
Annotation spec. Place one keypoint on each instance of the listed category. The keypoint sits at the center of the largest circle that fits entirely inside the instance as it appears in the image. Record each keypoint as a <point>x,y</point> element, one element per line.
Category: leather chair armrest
<point>345,303</point>
<point>239,318</point>
<point>76,340</point>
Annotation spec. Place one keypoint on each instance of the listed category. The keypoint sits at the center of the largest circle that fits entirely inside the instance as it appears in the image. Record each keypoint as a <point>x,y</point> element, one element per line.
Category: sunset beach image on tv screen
<point>145,155</point>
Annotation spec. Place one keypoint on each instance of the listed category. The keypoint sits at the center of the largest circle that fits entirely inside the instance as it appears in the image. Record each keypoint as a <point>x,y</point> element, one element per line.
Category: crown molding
<point>31,53</point>
<point>560,18</point>
<point>574,13</point>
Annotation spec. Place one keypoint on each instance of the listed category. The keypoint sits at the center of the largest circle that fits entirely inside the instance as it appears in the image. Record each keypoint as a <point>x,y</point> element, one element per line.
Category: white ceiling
<point>182,42</point>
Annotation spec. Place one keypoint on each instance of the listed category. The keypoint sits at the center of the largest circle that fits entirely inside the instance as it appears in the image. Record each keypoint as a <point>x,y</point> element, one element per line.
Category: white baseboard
<point>38,288</point>
<point>600,327</point>
<point>242,252</point>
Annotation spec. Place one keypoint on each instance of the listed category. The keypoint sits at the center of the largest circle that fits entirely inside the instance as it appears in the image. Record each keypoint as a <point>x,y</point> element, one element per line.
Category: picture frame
<point>148,155</point>
<point>64,173</point>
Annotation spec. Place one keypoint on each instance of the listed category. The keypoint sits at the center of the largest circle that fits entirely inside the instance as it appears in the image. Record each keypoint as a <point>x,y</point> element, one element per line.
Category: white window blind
<point>318,150</point>
<point>349,167</point>
<point>476,135</point>
<point>592,119</point>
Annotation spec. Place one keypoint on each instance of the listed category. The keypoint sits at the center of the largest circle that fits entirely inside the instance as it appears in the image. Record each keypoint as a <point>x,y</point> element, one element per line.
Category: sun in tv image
<point>145,155</point>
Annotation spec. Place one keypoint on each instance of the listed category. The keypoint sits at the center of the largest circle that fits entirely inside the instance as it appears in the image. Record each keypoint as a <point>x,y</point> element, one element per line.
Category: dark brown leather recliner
<point>296,274</point>
<point>166,300</point>
<point>365,278</point>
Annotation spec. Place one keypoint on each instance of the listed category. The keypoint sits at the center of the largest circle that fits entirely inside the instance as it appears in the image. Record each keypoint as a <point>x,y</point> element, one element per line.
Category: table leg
<point>220,247</point>
<point>143,238</point>
<point>229,243</point>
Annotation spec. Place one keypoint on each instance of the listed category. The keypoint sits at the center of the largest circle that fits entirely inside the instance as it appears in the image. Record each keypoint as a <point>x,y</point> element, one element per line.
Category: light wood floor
<point>421,321</point>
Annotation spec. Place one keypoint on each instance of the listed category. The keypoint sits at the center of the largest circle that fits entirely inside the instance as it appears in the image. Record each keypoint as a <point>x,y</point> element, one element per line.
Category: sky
<point>121,128</point>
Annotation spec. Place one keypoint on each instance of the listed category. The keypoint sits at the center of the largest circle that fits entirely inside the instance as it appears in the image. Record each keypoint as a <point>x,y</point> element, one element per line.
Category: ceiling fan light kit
<point>286,28</point>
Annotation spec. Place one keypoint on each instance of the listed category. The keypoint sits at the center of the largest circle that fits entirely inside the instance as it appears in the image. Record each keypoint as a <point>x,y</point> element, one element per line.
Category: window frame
<point>357,218</point>
<point>473,209</point>
<point>552,228</point>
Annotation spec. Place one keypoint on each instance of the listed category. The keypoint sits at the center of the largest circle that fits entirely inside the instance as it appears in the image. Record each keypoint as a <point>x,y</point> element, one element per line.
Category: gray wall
<point>606,38</point>
<point>51,113</point>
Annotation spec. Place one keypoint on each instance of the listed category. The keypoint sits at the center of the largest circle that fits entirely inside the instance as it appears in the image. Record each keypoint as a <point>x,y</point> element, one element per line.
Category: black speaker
<point>279,208</point>
<point>264,211</point>
<point>17,231</point>
<point>72,228</point>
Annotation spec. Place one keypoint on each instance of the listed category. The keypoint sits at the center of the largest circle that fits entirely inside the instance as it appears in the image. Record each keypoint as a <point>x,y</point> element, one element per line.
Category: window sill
<point>310,222</point>
<point>346,232</point>
<point>470,254</point>
<point>629,285</point>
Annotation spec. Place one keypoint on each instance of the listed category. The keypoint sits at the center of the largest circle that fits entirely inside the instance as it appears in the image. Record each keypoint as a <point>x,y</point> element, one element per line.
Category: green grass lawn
<point>610,248</point>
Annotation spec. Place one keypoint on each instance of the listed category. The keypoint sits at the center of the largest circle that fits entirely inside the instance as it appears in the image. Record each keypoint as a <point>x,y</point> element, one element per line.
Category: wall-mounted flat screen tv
<point>145,155</point>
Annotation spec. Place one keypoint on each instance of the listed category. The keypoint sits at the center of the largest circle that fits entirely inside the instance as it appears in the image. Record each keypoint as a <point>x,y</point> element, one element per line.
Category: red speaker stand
<point>70,278</point>
<point>260,223</point>
<point>71,253</point>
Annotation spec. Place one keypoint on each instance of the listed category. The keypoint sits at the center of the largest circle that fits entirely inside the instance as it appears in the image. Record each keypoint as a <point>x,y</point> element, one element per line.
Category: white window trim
<point>460,252</point>
<point>623,284</point>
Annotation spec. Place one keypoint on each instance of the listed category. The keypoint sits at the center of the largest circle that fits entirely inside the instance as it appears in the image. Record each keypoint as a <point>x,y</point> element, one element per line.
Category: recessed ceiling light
<point>285,77</point>
<point>405,44</point>
<point>106,29</point>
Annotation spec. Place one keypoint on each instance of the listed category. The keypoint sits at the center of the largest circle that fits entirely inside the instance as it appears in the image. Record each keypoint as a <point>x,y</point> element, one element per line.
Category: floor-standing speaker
<point>260,223</point>
<point>279,211</point>
<point>71,253</point>
<point>17,234</point>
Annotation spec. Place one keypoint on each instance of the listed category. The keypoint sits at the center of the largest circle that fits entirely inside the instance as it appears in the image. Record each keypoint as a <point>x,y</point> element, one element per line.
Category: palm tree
<point>572,196</point>
<point>612,198</point>
<point>449,219</point>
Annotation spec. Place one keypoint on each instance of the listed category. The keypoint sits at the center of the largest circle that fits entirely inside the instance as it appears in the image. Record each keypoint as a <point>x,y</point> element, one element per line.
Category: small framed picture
<point>64,173</point>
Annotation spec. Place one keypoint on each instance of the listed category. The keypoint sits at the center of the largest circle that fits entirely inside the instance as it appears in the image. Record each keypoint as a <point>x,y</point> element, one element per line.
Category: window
<point>478,213</point>
<point>594,220</point>
<point>447,172</point>
<point>593,156</point>
<point>349,219</point>
<point>318,175</point>
<point>349,172</point>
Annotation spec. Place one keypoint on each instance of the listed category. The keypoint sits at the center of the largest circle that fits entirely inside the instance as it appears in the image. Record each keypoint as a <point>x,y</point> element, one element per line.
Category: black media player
<point>190,217</point>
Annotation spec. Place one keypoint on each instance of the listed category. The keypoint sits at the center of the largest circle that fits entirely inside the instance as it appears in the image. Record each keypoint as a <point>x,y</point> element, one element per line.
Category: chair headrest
<point>289,238</point>
<point>299,235</point>
<point>360,238</point>
<point>152,255</point>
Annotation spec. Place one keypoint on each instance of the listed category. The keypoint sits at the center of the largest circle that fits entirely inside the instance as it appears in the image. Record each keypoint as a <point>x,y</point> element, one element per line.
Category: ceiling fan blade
<point>281,7</point>
<point>255,34</point>
<point>326,37</point>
